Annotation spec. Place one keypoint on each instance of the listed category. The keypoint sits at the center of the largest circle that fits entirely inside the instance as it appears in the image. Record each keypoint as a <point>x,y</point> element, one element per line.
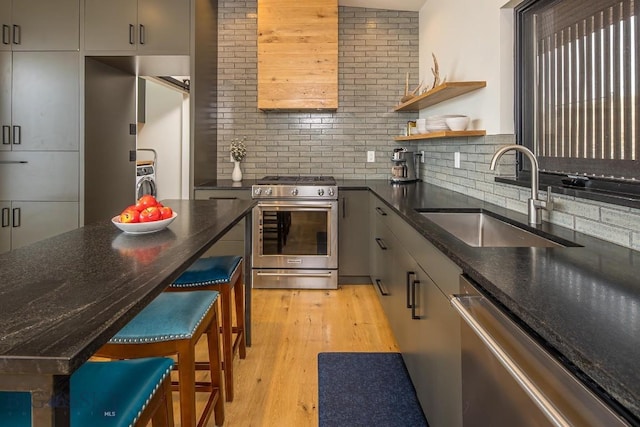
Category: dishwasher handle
<point>537,396</point>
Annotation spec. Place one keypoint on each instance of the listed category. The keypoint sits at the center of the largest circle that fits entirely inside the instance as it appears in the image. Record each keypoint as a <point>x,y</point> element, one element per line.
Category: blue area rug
<point>366,389</point>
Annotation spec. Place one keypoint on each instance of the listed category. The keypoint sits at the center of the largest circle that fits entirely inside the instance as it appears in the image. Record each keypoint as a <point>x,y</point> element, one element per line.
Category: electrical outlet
<point>422,156</point>
<point>456,160</point>
<point>371,156</point>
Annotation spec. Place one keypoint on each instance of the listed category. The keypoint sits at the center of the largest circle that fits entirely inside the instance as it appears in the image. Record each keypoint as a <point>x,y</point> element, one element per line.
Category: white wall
<point>163,131</point>
<point>472,40</point>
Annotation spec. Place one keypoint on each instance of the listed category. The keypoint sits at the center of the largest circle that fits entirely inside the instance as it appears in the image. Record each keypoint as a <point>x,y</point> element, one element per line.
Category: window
<point>578,80</point>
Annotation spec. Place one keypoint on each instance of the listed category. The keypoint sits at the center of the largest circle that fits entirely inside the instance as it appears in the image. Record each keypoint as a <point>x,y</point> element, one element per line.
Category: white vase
<point>236,175</point>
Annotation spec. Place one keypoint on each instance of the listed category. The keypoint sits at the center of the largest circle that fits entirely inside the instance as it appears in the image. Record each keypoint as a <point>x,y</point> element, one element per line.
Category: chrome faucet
<point>534,204</point>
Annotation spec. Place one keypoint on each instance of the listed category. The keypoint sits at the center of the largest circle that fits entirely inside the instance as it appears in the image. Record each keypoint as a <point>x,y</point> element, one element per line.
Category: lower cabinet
<point>353,232</point>
<point>23,223</point>
<point>414,280</point>
<point>233,242</point>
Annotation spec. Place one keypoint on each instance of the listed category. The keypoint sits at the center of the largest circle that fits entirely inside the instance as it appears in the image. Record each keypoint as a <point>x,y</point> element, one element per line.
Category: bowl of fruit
<point>146,216</point>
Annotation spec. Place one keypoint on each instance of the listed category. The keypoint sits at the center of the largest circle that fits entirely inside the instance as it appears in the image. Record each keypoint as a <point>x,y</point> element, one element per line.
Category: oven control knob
<point>268,191</point>
<point>257,191</point>
<point>294,192</point>
<point>320,192</point>
<point>331,192</point>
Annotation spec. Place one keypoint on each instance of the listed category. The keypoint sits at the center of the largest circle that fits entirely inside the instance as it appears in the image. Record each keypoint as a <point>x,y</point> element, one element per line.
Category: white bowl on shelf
<point>457,123</point>
<point>143,227</point>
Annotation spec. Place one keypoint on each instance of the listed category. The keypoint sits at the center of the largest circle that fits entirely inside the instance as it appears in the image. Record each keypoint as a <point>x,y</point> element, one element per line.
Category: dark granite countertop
<point>582,302</point>
<point>64,297</point>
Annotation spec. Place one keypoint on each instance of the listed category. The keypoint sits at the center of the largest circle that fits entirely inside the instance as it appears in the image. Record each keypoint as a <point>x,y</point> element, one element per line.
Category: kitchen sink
<point>480,229</point>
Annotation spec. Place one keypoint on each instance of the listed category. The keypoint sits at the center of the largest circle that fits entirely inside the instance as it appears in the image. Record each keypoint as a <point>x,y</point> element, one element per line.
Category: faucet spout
<point>535,204</point>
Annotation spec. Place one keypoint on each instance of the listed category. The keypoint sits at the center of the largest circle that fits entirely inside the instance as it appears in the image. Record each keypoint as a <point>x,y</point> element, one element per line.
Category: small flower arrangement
<point>238,149</point>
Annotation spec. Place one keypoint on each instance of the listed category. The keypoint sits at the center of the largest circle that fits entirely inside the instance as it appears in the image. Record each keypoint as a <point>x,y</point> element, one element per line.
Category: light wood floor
<point>277,384</point>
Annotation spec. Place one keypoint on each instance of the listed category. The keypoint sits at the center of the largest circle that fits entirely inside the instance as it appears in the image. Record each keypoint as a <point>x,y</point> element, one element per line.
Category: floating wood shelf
<point>442,134</point>
<point>441,93</point>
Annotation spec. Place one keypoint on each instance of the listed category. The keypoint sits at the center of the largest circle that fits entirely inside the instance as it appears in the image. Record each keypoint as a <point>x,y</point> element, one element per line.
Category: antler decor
<point>408,95</point>
<point>436,72</point>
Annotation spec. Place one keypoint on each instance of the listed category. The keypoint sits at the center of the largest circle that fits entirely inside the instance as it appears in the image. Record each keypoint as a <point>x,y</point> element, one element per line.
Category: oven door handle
<point>261,273</point>
<point>296,206</point>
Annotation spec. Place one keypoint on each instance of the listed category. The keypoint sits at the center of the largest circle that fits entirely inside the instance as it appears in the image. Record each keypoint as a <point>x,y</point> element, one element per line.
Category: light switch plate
<point>456,160</point>
<point>371,156</point>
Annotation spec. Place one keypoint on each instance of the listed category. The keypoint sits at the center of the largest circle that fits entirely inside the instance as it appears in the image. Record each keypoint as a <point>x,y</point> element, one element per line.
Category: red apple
<point>146,201</point>
<point>149,214</point>
<point>166,212</point>
<point>130,215</point>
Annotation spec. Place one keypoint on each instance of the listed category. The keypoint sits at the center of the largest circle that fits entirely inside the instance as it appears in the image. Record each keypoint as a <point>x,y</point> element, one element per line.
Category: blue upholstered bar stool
<point>120,393</point>
<point>172,324</point>
<point>222,274</point>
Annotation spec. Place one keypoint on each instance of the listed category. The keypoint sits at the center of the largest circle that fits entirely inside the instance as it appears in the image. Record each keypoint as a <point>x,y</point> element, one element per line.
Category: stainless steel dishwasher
<point>508,379</point>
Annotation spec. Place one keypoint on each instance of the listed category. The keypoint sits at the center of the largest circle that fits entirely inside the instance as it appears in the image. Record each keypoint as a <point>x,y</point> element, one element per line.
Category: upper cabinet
<point>40,25</point>
<point>297,54</point>
<point>153,27</point>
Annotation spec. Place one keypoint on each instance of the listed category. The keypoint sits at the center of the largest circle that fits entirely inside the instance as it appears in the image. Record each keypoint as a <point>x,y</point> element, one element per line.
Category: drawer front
<point>39,176</point>
<point>222,194</point>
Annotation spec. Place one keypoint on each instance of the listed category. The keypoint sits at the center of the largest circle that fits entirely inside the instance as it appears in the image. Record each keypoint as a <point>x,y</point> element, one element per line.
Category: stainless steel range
<point>295,232</point>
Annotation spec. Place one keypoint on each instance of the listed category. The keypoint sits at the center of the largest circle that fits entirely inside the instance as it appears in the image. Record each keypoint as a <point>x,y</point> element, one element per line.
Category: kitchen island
<point>61,299</point>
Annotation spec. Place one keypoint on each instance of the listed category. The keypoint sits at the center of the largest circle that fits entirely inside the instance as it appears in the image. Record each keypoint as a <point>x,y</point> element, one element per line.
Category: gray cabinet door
<point>110,25</point>
<point>5,23</point>
<point>146,26</point>
<point>353,232</point>
<point>163,26</point>
<point>46,24</point>
<point>231,243</point>
<point>5,100</point>
<point>5,226</point>
<point>46,100</point>
<point>40,220</point>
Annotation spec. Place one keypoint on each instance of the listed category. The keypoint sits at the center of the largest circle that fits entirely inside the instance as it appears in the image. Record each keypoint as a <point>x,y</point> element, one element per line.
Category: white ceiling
<point>413,5</point>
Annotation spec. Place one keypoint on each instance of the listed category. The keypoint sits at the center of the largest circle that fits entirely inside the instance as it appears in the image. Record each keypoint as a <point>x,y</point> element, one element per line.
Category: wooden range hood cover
<point>297,55</point>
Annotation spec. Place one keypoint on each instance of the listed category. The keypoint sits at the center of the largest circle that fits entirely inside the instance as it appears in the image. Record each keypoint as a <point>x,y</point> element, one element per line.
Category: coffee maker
<point>403,168</point>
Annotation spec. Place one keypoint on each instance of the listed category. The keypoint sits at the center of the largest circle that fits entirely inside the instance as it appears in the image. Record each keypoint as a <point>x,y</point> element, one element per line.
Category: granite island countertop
<point>582,302</point>
<point>62,298</point>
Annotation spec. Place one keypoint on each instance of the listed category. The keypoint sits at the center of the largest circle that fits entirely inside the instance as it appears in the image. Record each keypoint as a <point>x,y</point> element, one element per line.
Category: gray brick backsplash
<point>607,232</point>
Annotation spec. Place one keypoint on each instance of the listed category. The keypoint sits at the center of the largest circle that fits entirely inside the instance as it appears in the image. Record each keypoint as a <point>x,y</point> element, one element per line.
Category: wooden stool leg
<point>227,342</point>
<point>215,369</point>
<point>163,416</point>
<point>187,384</point>
<point>239,303</point>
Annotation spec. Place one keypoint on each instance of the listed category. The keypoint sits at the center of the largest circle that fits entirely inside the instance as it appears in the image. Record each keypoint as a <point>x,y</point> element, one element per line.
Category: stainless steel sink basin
<point>482,230</point>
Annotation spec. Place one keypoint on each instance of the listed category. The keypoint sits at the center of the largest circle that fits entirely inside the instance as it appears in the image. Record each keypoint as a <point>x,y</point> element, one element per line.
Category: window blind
<point>579,93</point>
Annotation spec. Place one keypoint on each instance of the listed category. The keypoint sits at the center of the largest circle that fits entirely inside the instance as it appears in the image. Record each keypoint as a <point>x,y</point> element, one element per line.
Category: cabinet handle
<point>344,207</point>
<point>132,34</point>
<point>6,134</point>
<point>380,243</point>
<point>413,299</point>
<point>5,217</point>
<point>142,38</point>
<point>6,34</point>
<point>408,285</point>
<point>16,34</point>
<point>223,198</point>
<point>17,135</point>
<point>16,217</point>
<point>380,211</point>
<point>383,291</point>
